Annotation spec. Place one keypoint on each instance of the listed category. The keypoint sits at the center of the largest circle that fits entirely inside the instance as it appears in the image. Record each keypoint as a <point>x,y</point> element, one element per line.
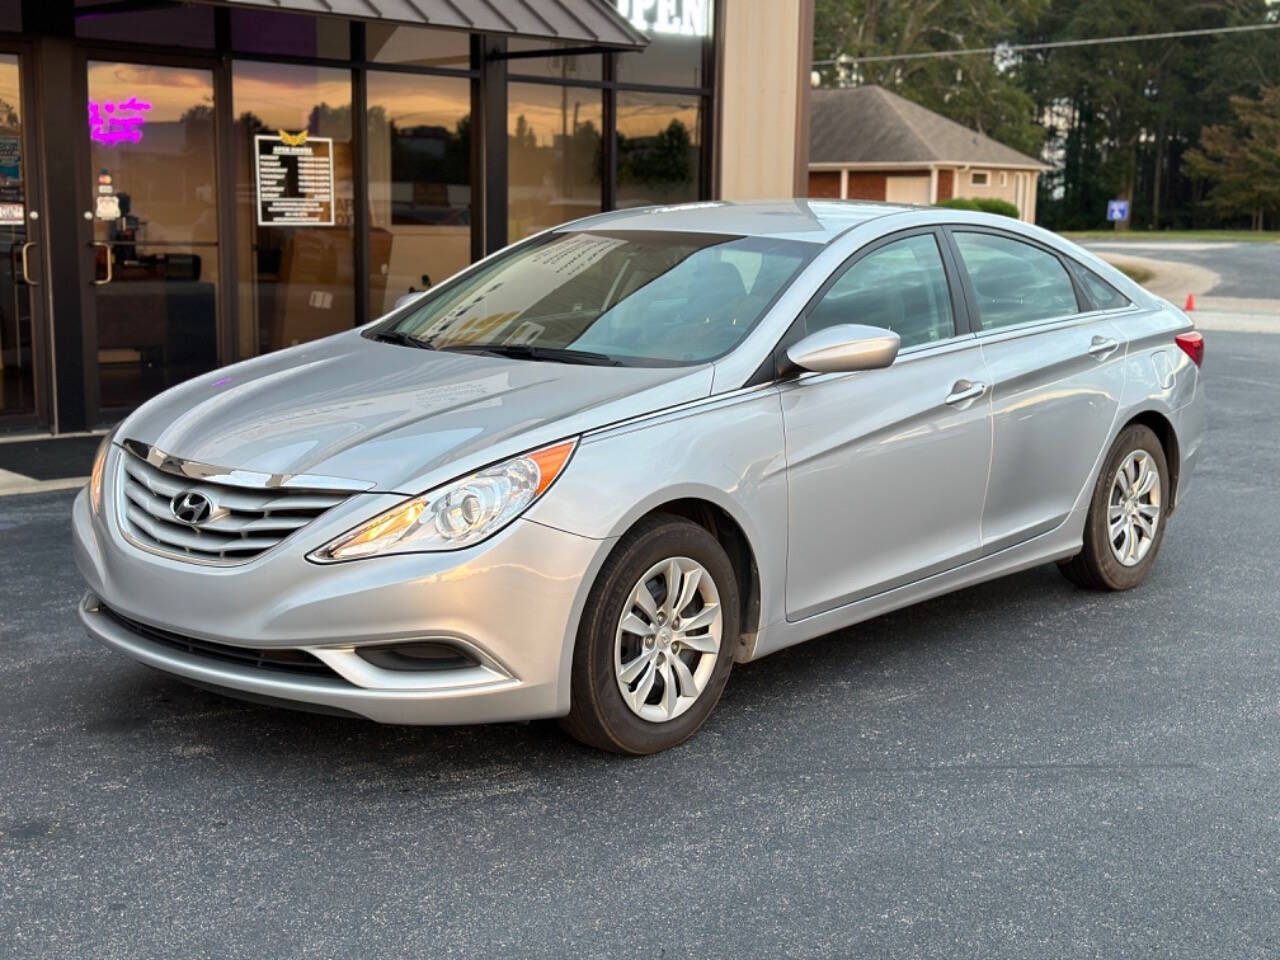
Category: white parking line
<point>14,483</point>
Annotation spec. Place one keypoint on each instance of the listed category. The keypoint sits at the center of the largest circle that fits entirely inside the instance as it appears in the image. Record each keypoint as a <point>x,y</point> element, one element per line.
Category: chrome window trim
<point>1031,327</point>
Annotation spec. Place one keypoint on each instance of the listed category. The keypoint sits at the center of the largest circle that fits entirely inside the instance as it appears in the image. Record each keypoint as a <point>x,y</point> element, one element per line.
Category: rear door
<point>886,468</point>
<point>1056,367</point>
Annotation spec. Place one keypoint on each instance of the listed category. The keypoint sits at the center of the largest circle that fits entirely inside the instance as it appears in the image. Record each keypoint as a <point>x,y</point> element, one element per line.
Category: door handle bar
<point>107,278</point>
<point>963,391</point>
<point>1103,347</point>
<point>26,269</point>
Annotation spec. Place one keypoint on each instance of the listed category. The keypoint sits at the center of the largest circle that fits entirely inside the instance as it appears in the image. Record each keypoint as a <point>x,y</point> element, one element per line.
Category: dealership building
<point>183,185</point>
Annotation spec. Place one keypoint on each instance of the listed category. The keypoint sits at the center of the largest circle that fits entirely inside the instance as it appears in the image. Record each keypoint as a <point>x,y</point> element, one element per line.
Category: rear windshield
<point>633,297</point>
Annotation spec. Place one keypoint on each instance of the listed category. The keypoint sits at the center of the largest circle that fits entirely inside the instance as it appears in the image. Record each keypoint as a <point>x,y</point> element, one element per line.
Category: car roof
<point>814,221</point>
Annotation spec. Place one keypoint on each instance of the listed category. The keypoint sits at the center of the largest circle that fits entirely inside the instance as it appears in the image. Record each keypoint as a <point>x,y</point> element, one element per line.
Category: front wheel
<point>655,645</point>
<point>1127,515</point>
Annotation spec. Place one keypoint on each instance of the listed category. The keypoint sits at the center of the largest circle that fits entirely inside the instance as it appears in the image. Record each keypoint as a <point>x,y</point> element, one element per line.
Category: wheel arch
<point>732,535</point>
<point>1163,428</point>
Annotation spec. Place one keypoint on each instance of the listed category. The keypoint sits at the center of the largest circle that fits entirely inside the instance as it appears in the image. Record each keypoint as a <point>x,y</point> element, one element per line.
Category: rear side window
<point>1103,294</point>
<point>901,286</point>
<point>1014,282</point>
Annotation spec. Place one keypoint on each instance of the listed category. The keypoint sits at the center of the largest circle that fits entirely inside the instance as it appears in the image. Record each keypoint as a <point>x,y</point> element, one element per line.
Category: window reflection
<point>569,67</point>
<point>678,33</point>
<point>554,156</point>
<point>419,183</point>
<point>150,131</point>
<point>659,148</point>
<point>296,272</point>
<point>414,46</point>
<point>298,35</point>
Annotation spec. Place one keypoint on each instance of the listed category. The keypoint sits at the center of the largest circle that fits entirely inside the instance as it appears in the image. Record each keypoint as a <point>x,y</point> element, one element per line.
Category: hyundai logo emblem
<point>192,507</point>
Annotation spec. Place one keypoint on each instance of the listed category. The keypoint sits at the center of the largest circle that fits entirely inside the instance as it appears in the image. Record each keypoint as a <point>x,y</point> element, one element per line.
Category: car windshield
<point>625,297</point>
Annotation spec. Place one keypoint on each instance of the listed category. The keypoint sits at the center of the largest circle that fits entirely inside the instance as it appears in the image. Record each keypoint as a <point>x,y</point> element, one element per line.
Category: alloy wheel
<point>1133,508</point>
<point>668,639</point>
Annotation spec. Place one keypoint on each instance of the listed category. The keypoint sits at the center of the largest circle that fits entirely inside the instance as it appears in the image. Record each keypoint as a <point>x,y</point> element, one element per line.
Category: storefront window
<point>678,32</point>
<point>416,47</point>
<point>294,203</point>
<point>554,156</point>
<point>17,371</point>
<point>179,26</point>
<point>659,148</point>
<point>11,15</point>
<point>419,183</point>
<point>568,67</point>
<point>296,35</point>
<point>155,229</point>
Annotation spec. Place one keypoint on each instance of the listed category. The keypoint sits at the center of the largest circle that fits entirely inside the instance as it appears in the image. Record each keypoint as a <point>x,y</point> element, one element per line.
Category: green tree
<point>981,92</point>
<point>1121,117</point>
<point>1242,159</point>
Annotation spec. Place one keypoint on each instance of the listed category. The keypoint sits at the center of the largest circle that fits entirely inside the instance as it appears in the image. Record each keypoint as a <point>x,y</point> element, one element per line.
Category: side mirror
<point>844,348</point>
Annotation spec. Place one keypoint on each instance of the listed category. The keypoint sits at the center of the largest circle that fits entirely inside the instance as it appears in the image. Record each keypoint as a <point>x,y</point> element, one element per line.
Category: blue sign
<point>1117,210</point>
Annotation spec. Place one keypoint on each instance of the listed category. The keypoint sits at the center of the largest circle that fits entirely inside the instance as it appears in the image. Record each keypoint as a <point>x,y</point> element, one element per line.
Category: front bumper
<point>512,603</point>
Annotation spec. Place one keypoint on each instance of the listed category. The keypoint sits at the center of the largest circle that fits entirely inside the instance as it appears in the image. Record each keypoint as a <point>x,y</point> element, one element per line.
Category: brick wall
<point>824,183</point>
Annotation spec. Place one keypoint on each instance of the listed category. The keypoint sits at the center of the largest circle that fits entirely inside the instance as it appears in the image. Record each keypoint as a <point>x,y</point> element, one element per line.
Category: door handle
<point>963,391</point>
<point>26,270</point>
<point>107,278</point>
<point>1102,347</point>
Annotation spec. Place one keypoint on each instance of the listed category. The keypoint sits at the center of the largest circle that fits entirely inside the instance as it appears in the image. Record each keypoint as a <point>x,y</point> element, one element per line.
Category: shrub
<point>1002,207</point>
<point>982,204</point>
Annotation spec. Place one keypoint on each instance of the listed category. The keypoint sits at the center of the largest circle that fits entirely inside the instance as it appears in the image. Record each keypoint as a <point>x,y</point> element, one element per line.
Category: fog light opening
<point>418,656</point>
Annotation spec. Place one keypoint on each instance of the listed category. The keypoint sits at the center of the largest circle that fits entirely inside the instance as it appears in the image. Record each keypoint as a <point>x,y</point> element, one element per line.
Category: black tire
<point>1096,567</point>
<point>598,715</point>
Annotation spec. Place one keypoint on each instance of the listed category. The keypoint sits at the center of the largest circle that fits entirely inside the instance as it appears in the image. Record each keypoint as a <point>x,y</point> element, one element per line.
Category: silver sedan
<point>587,475</point>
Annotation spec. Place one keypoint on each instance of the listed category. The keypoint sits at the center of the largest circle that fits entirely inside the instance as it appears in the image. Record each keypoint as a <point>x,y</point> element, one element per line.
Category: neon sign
<point>685,17</point>
<point>112,123</point>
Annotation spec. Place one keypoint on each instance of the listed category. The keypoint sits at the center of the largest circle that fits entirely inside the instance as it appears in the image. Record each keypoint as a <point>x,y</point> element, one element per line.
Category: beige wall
<point>1018,187</point>
<point>763,107</point>
<point>914,185</point>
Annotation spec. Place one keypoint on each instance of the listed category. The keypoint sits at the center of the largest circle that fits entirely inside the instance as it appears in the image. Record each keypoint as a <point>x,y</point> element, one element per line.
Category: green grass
<point>1136,274</point>
<point>1157,236</point>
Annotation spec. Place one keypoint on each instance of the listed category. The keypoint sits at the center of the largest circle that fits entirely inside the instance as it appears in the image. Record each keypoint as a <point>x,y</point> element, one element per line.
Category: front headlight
<point>95,475</point>
<point>457,514</point>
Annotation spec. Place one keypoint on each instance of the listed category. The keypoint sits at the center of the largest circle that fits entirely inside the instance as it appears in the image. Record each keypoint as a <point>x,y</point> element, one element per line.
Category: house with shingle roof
<point>866,143</point>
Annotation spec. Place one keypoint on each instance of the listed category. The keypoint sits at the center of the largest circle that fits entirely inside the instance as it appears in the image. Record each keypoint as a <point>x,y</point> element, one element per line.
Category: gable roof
<point>869,124</point>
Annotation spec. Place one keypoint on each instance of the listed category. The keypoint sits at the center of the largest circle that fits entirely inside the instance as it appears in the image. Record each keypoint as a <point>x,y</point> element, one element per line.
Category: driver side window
<point>902,286</point>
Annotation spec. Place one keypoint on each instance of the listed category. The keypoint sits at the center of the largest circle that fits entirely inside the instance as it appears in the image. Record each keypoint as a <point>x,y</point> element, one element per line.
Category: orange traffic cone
<point>1190,304</point>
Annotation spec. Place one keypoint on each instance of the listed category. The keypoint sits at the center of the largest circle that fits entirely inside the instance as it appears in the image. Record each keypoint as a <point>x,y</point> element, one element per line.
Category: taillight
<point>1192,344</point>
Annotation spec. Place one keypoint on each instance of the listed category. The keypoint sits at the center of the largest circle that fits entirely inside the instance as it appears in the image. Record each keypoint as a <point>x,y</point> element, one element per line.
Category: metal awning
<point>594,22</point>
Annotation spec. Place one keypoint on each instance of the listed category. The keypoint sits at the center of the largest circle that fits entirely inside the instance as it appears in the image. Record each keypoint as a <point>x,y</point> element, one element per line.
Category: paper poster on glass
<point>11,197</point>
<point>294,175</point>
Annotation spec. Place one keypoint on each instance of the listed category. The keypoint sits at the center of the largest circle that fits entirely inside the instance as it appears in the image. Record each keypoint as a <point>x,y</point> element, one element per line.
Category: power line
<point>1053,45</point>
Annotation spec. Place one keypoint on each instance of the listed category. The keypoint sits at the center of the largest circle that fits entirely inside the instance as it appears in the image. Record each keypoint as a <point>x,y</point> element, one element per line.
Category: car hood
<point>393,417</point>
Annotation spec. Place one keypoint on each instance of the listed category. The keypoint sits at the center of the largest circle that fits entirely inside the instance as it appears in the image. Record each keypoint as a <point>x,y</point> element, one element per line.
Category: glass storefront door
<point>295,203</point>
<point>19,264</point>
<point>419,148</point>
<point>155,228</point>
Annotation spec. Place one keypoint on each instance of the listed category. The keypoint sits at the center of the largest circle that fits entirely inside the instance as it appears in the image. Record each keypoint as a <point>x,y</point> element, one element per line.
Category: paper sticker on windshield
<point>572,254</point>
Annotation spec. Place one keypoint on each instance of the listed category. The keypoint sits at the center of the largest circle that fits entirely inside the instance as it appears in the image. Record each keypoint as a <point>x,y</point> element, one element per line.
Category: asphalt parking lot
<point>1019,770</point>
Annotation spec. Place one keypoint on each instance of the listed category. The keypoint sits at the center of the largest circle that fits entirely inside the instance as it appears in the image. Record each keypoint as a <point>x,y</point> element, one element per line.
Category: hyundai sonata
<point>587,475</point>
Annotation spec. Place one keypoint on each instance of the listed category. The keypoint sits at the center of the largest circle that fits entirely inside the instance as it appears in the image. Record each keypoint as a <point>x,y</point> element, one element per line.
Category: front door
<point>887,469</point>
<point>22,398</point>
<point>154,208</point>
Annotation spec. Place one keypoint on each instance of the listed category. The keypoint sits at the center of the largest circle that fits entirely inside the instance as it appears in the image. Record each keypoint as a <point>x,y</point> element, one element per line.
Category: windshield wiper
<point>525,351</point>
<point>401,338</point>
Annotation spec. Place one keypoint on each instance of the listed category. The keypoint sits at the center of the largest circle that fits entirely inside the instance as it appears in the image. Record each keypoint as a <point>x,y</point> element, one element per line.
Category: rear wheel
<point>655,645</point>
<point>1127,514</point>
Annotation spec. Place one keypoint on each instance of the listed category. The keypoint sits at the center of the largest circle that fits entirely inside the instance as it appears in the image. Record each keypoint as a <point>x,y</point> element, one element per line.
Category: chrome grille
<point>249,521</point>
